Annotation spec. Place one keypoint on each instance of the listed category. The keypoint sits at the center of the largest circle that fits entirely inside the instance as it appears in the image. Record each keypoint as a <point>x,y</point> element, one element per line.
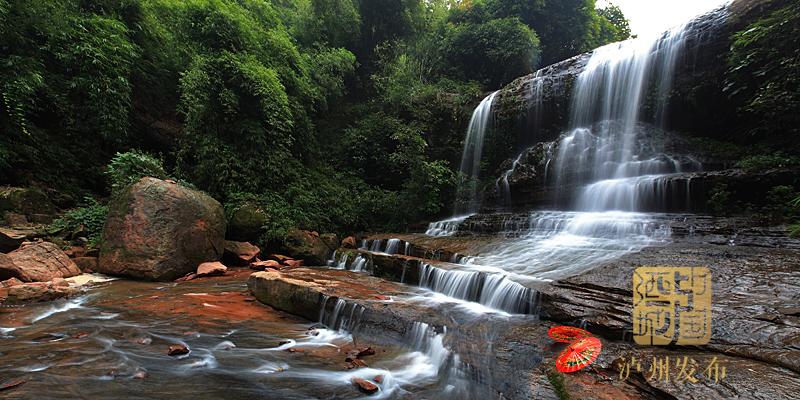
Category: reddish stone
<point>382,297</point>
<point>11,383</point>
<point>366,351</point>
<point>60,282</point>
<point>278,257</point>
<point>359,363</point>
<point>11,282</point>
<point>378,378</point>
<point>365,385</point>
<point>81,335</point>
<point>177,350</point>
<point>240,253</point>
<point>211,269</point>
<point>293,263</point>
<point>185,278</point>
<point>160,231</point>
<point>75,251</point>
<point>262,265</point>
<point>349,242</point>
<point>86,264</point>
<point>38,262</point>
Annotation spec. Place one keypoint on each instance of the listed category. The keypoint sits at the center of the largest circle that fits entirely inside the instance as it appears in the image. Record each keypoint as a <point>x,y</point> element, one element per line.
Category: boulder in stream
<point>37,262</point>
<point>239,253</point>
<point>158,230</point>
<point>308,246</point>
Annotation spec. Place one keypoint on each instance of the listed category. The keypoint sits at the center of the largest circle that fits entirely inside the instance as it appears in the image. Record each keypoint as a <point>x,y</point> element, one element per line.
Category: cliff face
<point>532,112</point>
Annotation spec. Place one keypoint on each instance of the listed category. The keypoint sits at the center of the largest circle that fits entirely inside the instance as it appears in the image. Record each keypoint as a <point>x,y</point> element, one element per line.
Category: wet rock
<point>140,374</point>
<point>358,363</point>
<point>365,385</point>
<point>211,269</point>
<point>187,277</point>
<point>81,335</point>
<point>239,253</point>
<point>365,351</point>
<point>306,246</point>
<point>378,379</point>
<point>160,231</point>
<point>11,383</point>
<point>246,222</point>
<point>177,350</point>
<point>349,242</point>
<point>34,292</point>
<point>86,264</point>
<point>262,265</point>
<point>38,262</point>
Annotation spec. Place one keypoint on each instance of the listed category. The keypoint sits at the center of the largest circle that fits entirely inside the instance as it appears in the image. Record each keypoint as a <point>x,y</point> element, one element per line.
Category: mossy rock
<point>246,223</point>
<point>26,201</point>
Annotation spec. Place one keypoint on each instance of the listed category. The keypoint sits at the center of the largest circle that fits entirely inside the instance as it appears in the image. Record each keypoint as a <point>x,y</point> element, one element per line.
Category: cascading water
<point>606,149</point>
<point>490,289</point>
<point>609,165</point>
<point>471,156</point>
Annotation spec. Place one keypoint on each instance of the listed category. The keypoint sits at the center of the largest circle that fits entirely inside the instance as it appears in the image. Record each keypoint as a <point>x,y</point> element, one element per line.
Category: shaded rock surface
<point>158,230</point>
<point>240,253</point>
<point>37,262</point>
<point>308,246</point>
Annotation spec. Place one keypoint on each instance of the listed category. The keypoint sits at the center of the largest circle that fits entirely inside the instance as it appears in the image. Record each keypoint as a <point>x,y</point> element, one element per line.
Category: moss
<point>557,380</point>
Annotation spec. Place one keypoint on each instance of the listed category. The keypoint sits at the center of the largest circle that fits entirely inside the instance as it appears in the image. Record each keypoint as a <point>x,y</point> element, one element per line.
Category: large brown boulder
<point>34,291</point>
<point>307,246</point>
<point>37,262</point>
<point>158,230</point>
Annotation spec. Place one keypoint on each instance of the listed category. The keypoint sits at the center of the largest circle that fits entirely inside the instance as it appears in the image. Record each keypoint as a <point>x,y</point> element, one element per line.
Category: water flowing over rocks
<point>158,230</point>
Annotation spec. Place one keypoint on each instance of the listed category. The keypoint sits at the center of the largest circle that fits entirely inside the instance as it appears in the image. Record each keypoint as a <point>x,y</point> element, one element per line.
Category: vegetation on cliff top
<point>338,114</point>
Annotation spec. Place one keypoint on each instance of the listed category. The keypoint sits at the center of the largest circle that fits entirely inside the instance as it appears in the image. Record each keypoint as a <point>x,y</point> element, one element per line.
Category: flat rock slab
<point>755,290</point>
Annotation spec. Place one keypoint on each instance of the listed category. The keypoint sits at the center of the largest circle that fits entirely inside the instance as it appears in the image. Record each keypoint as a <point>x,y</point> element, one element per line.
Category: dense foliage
<point>763,74</point>
<point>330,114</point>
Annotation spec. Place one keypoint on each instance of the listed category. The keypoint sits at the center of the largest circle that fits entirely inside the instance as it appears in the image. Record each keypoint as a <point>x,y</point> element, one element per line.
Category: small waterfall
<point>445,227</point>
<point>425,340</point>
<point>471,156</point>
<point>358,264</point>
<point>332,261</point>
<point>392,246</point>
<point>343,317</point>
<point>502,186</point>
<point>376,245</point>
<point>492,290</point>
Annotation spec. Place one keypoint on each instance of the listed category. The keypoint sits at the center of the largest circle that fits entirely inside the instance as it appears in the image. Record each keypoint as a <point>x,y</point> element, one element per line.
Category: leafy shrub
<point>794,229</point>
<point>90,219</point>
<point>768,161</point>
<point>127,168</point>
<point>719,201</point>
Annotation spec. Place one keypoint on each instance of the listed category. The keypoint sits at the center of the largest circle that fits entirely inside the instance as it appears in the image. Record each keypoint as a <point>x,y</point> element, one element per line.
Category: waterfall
<point>490,289</point>
<point>606,149</point>
<point>445,227</point>
<point>344,316</point>
<point>392,246</point>
<point>471,156</point>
